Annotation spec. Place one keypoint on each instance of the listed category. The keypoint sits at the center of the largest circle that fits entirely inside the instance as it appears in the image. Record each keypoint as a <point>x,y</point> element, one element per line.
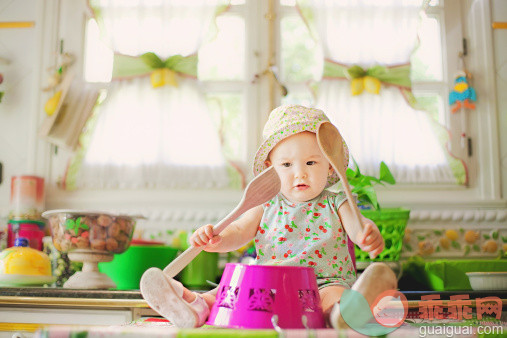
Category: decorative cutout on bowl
<point>261,300</point>
<point>308,300</point>
<point>228,297</point>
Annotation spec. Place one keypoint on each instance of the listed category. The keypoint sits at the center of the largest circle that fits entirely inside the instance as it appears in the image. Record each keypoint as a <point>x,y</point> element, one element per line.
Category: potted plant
<point>390,221</point>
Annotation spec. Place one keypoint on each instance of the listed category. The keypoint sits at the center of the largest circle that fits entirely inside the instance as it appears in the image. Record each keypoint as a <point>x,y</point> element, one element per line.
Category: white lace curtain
<point>380,127</point>
<point>153,137</point>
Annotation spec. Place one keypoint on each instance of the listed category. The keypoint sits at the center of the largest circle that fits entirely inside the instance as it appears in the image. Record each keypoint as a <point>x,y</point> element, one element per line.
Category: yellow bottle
<point>23,260</point>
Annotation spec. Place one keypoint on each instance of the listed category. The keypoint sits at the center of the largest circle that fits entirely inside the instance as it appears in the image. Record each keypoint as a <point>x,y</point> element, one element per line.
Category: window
<point>268,54</point>
<point>361,33</point>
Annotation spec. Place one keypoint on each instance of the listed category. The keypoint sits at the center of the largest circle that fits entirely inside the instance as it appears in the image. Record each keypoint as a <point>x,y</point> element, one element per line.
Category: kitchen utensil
<point>331,143</point>
<point>90,237</point>
<point>261,189</point>
<point>127,268</point>
<point>253,296</point>
<point>488,280</point>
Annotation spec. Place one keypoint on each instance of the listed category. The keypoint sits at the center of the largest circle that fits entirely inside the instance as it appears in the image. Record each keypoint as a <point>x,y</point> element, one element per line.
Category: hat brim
<point>265,148</point>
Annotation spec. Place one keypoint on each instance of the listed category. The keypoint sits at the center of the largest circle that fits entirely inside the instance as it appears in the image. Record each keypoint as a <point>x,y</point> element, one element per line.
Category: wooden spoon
<point>260,190</point>
<point>331,143</point>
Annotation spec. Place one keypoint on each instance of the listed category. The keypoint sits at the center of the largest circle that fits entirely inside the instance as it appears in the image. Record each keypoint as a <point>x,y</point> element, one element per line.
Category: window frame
<point>260,97</point>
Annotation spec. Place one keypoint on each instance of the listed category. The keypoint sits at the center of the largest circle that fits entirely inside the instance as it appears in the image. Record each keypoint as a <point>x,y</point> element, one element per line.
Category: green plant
<point>363,185</point>
<point>70,224</point>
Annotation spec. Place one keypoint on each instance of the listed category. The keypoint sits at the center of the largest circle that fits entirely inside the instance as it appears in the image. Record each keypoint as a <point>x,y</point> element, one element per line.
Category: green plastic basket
<point>392,224</point>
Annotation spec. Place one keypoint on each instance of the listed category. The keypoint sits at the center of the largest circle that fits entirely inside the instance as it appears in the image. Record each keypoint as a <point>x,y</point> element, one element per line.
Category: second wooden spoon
<point>331,143</point>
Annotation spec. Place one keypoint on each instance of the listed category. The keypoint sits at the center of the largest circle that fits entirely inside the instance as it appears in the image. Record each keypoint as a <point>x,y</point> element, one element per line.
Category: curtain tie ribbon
<point>161,72</point>
<point>369,79</point>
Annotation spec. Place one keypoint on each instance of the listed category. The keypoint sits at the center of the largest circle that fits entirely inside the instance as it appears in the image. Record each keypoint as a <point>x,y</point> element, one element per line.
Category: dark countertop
<point>69,293</point>
<point>136,294</point>
<point>416,295</point>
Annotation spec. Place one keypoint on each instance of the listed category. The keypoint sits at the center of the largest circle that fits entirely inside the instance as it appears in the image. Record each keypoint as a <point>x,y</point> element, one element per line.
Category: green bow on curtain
<point>161,72</point>
<point>371,78</point>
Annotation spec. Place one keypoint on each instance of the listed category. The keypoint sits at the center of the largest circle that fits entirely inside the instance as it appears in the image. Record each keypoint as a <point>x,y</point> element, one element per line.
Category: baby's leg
<point>375,279</point>
<point>173,301</point>
<point>329,296</point>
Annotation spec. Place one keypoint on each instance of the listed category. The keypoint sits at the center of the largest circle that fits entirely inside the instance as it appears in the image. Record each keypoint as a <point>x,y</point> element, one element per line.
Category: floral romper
<point>306,234</point>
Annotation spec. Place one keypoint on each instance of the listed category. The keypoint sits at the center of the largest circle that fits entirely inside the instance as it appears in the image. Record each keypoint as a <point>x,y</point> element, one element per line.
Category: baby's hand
<point>204,236</point>
<point>370,239</point>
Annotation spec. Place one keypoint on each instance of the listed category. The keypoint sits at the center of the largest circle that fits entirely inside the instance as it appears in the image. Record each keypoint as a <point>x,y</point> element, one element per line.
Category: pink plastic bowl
<point>250,295</point>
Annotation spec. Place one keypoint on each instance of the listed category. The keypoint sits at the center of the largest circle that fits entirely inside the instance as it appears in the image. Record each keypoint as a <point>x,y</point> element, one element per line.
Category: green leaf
<point>504,239</point>
<point>385,174</point>
<point>376,71</point>
<point>409,247</point>
<point>152,60</point>
<point>494,235</point>
<point>467,250</point>
<point>476,248</point>
<point>486,236</point>
<point>456,245</point>
<point>351,174</point>
<point>172,61</point>
<point>363,185</point>
<point>355,72</point>
<point>70,224</point>
<point>372,196</point>
<point>356,166</point>
<point>437,232</point>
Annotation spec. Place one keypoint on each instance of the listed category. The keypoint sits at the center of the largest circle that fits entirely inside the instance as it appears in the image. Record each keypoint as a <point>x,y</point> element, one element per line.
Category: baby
<point>304,225</point>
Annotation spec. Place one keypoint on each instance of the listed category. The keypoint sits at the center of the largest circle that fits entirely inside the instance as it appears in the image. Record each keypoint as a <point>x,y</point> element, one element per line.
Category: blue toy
<point>462,95</point>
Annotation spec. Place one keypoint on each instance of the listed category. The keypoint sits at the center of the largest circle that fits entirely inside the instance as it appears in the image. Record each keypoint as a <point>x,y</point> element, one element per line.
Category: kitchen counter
<point>30,309</point>
<point>53,292</point>
<point>134,299</point>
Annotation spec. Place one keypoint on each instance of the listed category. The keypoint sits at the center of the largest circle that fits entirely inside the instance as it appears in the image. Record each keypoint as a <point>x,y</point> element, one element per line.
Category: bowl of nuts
<point>90,237</point>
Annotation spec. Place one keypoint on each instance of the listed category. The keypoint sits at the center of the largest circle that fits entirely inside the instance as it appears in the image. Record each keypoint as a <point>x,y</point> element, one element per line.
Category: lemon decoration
<point>371,84</point>
<point>361,79</point>
<point>163,76</point>
<point>52,103</point>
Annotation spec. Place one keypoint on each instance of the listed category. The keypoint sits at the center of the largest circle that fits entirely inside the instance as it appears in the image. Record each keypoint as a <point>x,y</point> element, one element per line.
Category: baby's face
<point>301,166</point>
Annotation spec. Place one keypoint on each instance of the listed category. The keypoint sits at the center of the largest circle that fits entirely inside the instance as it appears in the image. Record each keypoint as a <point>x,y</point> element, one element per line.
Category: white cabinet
<point>23,312</point>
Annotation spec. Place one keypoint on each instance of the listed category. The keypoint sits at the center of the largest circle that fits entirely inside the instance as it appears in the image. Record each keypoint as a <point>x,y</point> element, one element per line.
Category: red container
<point>31,230</point>
<point>27,197</point>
